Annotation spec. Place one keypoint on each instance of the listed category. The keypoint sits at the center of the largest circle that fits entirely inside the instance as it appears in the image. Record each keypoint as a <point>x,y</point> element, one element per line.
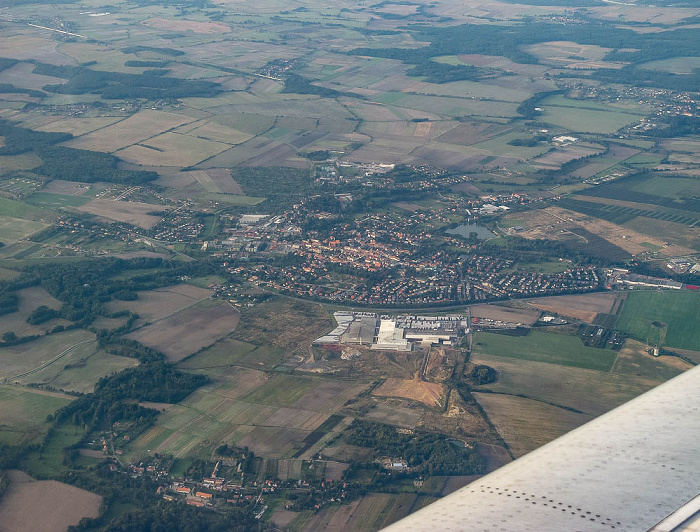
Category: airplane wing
<point>636,468</point>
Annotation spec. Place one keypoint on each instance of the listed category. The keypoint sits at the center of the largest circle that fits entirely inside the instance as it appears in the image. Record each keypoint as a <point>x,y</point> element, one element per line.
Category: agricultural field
<point>171,149</point>
<point>576,229</point>
<point>272,415</point>
<point>544,347</point>
<point>513,315</point>
<point>156,304</point>
<point>23,413</point>
<point>561,155</point>
<point>61,505</point>
<point>15,229</point>
<point>579,120</point>
<point>31,356</point>
<point>588,391</point>
<point>175,335</point>
<point>136,128</point>
<point>584,307</point>
<point>371,512</point>
<point>525,424</point>
<point>79,370</point>
<point>675,65</point>
<point>30,299</point>
<point>138,214</point>
<point>228,352</point>
<point>669,318</point>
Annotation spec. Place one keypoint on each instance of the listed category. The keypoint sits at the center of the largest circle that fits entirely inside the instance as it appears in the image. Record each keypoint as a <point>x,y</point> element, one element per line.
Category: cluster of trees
<point>283,187</point>
<point>141,48</point>
<point>6,62</point>
<point>527,108</point>
<point>294,83</point>
<point>678,126</point>
<point>443,73</point>
<point>527,250</point>
<point>114,396</point>
<point>170,517</point>
<point>8,87</point>
<point>85,287</point>
<point>117,85</point>
<point>21,140</point>
<point>156,381</point>
<point>642,77</point>
<point>41,314</point>
<point>153,64</point>
<point>59,162</point>
<point>8,303</point>
<point>529,142</point>
<point>481,374</point>
<point>429,453</point>
<point>318,155</point>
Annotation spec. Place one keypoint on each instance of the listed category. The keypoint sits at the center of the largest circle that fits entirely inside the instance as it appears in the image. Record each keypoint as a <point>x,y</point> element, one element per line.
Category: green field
<point>24,357</point>
<point>58,200</point>
<point>23,413</point>
<point>14,229</point>
<point>545,347</point>
<point>17,209</point>
<point>48,461</point>
<point>229,352</point>
<point>667,318</point>
<point>675,65</point>
<point>282,390</point>
<point>80,369</point>
<point>587,120</point>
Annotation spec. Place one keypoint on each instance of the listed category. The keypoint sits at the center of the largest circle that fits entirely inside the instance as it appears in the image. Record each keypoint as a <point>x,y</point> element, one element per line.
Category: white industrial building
<point>393,333</point>
<point>391,337</point>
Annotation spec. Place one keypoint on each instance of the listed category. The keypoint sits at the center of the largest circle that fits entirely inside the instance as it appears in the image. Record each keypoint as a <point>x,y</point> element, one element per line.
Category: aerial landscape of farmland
<point>314,265</point>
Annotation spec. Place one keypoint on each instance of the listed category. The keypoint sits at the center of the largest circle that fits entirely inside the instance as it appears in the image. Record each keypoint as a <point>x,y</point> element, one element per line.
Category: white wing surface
<point>636,468</point>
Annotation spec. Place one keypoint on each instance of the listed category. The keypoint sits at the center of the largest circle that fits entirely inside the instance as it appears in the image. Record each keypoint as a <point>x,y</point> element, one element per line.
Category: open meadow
<point>23,413</point>
<point>583,390</point>
<point>30,299</point>
<point>31,356</point>
<point>153,305</point>
<point>526,424</point>
<point>669,319</point>
<point>174,335</point>
<point>79,370</point>
<point>544,347</point>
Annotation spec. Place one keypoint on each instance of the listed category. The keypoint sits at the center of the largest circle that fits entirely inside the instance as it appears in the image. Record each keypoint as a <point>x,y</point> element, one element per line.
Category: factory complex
<point>394,333</point>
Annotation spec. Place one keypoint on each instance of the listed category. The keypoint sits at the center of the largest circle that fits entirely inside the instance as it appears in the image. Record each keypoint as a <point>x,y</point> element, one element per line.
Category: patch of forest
<point>118,85</point>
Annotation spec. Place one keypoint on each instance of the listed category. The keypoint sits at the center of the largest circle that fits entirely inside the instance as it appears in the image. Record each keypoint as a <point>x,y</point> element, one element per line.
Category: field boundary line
<point>48,363</point>
<point>523,396</point>
<point>176,311</point>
